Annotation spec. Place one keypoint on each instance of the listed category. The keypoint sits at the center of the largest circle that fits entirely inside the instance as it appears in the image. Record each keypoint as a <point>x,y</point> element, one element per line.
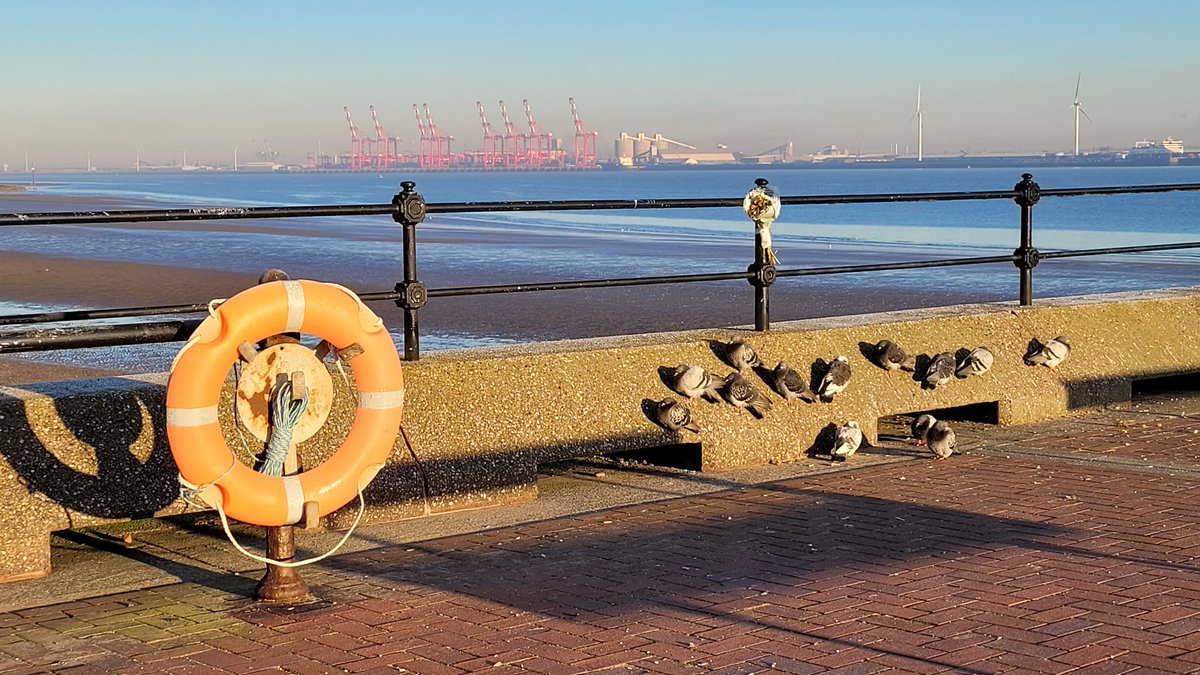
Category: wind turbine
<point>1078,109</point>
<point>919,116</point>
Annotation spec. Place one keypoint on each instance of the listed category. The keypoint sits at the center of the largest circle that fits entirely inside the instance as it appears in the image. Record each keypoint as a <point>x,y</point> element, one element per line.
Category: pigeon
<point>675,416</point>
<point>791,385</point>
<point>741,355</point>
<point>941,440</point>
<point>849,437</point>
<point>693,381</point>
<point>1051,354</point>
<point>741,393</point>
<point>890,356</point>
<point>940,370</point>
<point>921,426</point>
<point>836,378</point>
<point>978,362</point>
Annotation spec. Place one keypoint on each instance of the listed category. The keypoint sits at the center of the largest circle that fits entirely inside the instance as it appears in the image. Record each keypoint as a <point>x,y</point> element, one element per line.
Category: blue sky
<point>164,77</point>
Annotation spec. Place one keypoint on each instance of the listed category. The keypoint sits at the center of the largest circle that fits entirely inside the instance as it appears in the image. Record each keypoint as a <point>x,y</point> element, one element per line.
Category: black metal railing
<point>409,209</point>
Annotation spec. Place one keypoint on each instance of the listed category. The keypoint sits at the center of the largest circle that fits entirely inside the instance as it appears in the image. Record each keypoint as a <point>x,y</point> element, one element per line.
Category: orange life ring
<point>198,376</point>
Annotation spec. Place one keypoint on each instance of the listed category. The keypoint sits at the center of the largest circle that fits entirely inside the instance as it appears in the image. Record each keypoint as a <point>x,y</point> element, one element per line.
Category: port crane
<point>490,140</point>
<point>439,143</point>
<point>513,144</point>
<point>426,149</point>
<point>387,148</point>
<point>585,141</point>
<point>360,146</point>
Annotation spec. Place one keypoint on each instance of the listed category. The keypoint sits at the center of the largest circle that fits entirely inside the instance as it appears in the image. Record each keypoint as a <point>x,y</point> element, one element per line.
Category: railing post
<point>1028,194</point>
<point>408,209</point>
<point>762,206</point>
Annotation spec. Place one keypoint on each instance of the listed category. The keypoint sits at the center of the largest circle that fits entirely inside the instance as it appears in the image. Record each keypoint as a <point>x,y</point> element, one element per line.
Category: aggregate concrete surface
<point>1066,546</point>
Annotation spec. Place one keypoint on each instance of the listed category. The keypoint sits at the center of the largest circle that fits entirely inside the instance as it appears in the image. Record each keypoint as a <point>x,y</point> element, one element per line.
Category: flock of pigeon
<point>696,382</point>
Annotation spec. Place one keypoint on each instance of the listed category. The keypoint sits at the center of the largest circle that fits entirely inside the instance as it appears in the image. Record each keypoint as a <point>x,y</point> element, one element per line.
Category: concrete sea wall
<point>88,452</point>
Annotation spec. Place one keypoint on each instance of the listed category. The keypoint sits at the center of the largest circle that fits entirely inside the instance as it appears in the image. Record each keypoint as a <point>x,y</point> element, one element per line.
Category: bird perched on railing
<point>741,393</point>
<point>742,356</point>
<point>849,438</point>
<point>890,356</point>
<point>791,385</point>
<point>1050,354</point>
<point>674,416</point>
<point>940,371</point>
<point>693,381</point>
<point>836,379</point>
<point>978,362</point>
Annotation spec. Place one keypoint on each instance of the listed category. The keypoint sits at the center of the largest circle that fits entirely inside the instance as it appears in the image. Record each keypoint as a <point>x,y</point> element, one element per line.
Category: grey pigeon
<point>890,356</point>
<point>849,437</point>
<point>675,416</point>
<point>742,356</point>
<point>791,385</point>
<point>836,378</point>
<point>941,440</point>
<point>921,427</point>
<point>978,362</point>
<point>940,370</point>
<point>1051,354</point>
<point>741,393</point>
<point>693,381</point>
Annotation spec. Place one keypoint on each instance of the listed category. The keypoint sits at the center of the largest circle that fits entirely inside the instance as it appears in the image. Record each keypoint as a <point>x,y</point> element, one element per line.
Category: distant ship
<point>1166,151</point>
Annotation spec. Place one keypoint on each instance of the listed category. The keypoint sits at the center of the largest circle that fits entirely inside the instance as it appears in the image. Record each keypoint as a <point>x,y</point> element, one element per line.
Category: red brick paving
<point>1015,558</point>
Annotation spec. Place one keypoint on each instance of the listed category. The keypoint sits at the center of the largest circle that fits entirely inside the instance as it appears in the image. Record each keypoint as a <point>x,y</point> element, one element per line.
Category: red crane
<point>489,138</point>
<point>513,145</point>
<point>440,145</point>
<point>360,147</point>
<point>387,148</point>
<point>426,158</point>
<point>585,141</point>
<point>540,143</point>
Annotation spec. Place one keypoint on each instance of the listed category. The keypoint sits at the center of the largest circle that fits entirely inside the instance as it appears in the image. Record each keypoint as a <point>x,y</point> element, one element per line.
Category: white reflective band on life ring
<point>192,417</point>
<point>295,498</point>
<point>295,300</point>
<point>381,400</point>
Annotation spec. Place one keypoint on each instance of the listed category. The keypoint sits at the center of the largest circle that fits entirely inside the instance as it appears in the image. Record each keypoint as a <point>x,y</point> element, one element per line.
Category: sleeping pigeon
<point>890,356</point>
<point>791,385</point>
<point>693,381</point>
<point>921,427</point>
<point>741,393</point>
<point>836,378</point>
<point>1051,354</point>
<point>741,355</point>
<point>940,370</point>
<point>941,440</point>
<point>675,416</point>
<point>849,437</point>
<point>978,362</point>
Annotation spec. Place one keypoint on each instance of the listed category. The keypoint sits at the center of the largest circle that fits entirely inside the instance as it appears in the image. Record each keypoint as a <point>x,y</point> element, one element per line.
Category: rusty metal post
<point>282,585</point>
<point>408,209</point>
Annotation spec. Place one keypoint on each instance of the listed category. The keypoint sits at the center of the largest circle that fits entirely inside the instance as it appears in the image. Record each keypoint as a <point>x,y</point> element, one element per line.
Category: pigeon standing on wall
<point>693,381</point>
<point>942,442</point>
<point>1051,354</point>
<point>978,362</point>
<point>940,371</point>
<point>849,438</point>
<point>836,378</point>
<point>921,426</point>
<point>741,393</point>
<point>674,416</point>
<point>890,356</point>
<point>742,355</point>
<point>791,385</point>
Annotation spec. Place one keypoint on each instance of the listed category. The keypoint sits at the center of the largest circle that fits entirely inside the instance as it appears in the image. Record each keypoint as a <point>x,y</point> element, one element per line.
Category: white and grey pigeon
<point>693,381</point>
<point>921,426</point>
<point>849,437</point>
<point>836,379</point>
<point>741,393</point>
<point>1051,354</point>
<point>890,356</point>
<point>791,385</point>
<point>941,370</point>
<point>674,416</point>
<point>978,362</point>
<point>742,356</point>
<point>942,442</point>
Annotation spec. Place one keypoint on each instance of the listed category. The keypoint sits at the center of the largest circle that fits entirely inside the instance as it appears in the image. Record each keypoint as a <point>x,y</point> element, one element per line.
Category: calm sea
<point>497,242</point>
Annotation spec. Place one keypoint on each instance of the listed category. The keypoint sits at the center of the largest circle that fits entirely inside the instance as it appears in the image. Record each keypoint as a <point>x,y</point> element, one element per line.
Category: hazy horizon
<point>161,79</point>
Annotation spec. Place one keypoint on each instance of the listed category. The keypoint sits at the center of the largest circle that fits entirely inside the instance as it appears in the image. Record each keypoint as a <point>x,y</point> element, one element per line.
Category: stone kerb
<point>84,453</point>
